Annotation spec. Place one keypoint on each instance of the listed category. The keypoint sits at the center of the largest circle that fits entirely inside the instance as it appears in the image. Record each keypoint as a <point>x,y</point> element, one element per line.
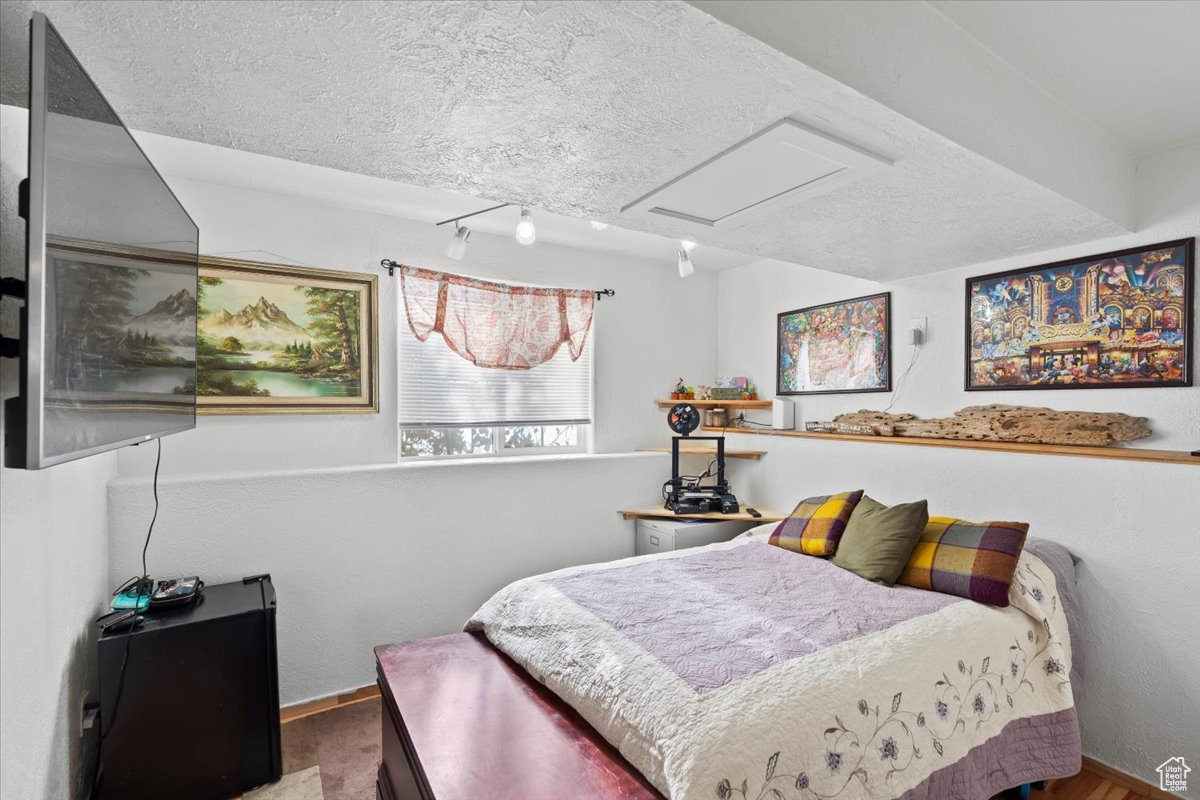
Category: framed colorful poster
<point>1114,320</point>
<point>274,338</point>
<point>837,347</point>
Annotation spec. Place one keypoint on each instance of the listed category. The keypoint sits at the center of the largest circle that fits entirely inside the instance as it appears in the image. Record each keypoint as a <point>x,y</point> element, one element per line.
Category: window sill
<point>539,458</point>
<point>401,466</point>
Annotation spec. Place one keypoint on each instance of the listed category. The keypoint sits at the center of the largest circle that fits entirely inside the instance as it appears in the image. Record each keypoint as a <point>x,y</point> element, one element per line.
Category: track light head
<point>685,263</point>
<point>526,233</point>
<point>457,248</point>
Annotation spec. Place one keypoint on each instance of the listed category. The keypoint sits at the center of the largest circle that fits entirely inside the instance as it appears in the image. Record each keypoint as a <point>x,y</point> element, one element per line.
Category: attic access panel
<point>783,162</point>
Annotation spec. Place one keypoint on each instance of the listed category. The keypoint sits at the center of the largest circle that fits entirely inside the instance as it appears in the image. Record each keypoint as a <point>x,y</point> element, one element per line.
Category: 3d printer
<point>687,494</point>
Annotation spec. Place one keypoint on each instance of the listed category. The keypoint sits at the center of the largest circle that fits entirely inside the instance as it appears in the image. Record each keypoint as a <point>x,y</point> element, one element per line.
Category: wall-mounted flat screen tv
<point>109,326</point>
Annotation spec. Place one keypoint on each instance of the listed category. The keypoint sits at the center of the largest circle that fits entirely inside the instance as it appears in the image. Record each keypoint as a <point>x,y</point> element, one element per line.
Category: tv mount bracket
<point>12,287</point>
<point>15,287</point>
<point>10,347</point>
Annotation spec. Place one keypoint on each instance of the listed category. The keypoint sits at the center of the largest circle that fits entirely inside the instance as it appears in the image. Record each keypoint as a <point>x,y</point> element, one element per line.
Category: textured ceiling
<point>1080,53</point>
<point>572,107</point>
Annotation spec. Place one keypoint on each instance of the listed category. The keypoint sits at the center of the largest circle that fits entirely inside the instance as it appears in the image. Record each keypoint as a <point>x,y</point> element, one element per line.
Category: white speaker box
<point>783,414</point>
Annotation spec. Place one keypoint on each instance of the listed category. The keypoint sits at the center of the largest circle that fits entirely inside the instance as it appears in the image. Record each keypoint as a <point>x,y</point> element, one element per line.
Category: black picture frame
<point>887,333</point>
<point>1187,311</point>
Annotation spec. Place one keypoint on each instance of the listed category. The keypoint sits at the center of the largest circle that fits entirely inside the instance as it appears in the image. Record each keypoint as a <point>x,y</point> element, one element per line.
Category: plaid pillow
<point>816,524</point>
<point>974,560</point>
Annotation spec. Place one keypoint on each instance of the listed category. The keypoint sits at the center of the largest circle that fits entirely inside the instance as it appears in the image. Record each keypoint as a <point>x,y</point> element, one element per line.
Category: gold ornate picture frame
<point>278,339</point>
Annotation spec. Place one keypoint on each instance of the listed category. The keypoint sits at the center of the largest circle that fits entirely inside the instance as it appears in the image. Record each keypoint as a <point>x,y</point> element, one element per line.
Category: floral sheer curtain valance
<point>497,325</point>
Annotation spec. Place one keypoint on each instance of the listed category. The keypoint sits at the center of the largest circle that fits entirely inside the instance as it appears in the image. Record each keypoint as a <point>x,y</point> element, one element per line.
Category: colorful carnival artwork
<point>1117,319</point>
<point>837,347</point>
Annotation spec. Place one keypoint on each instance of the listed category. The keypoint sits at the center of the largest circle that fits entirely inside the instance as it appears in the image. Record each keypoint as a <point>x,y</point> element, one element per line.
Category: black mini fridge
<point>197,712</point>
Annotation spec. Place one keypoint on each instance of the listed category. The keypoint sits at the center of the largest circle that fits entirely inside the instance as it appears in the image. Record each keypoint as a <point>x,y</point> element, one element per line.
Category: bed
<point>740,671</point>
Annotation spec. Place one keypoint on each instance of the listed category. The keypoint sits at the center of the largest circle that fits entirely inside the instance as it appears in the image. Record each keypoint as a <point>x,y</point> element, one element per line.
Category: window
<point>507,440</point>
<point>448,407</point>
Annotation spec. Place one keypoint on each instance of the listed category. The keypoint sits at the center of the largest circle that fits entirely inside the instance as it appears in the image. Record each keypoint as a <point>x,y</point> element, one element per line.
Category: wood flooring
<point>1087,785</point>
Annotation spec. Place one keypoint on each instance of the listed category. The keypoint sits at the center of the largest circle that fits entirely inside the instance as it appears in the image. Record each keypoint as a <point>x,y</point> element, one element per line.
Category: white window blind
<point>438,387</point>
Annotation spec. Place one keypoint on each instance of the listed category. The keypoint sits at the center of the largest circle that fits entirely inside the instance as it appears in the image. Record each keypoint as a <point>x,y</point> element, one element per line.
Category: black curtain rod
<point>392,266</point>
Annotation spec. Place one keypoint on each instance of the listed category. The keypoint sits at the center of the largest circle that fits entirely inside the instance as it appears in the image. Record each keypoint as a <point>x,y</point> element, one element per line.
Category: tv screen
<point>110,339</point>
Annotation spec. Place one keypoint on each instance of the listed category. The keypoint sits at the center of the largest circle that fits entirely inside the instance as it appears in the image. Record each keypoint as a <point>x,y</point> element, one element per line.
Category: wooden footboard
<point>462,721</point>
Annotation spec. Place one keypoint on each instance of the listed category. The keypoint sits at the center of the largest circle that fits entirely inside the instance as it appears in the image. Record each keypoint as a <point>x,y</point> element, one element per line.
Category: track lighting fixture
<point>685,263</point>
<point>686,245</point>
<point>526,233</point>
<point>597,225</point>
<point>457,248</point>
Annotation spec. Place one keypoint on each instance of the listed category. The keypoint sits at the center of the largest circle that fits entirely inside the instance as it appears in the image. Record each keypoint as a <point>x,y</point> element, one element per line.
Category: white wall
<point>53,568</point>
<point>364,555</point>
<point>1134,525</point>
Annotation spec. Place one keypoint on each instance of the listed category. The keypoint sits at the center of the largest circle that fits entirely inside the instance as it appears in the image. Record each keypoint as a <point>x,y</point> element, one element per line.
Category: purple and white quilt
<point>745,671</point>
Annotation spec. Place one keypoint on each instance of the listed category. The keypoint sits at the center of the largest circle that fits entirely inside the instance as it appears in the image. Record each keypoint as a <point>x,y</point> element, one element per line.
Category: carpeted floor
<point>332,755</point>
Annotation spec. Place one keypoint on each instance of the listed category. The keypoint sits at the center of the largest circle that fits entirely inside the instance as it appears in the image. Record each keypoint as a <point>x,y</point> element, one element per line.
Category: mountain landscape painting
<point>121,329</point>
<point>276,338</point>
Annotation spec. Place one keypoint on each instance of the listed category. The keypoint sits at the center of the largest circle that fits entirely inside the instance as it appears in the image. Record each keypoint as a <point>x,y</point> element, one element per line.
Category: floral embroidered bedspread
<point>744,671</point>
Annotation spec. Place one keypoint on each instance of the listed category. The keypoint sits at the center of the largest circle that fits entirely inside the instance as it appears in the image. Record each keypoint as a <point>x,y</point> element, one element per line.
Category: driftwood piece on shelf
<point>857,428</point>
<point>1001,423</point>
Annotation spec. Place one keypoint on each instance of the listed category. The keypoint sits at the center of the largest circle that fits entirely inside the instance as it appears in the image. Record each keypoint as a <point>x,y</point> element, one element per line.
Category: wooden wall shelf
<point>658,512</point>
<point>1120,453</point>
<point>707,451</point>
<point>760,404</point>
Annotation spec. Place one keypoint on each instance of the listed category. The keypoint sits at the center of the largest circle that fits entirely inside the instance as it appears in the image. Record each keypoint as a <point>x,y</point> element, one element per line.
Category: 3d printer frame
<point>719,489</point>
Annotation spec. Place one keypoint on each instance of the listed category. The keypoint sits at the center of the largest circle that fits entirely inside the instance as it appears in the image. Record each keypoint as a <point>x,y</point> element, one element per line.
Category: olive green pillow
<point>879,539</point>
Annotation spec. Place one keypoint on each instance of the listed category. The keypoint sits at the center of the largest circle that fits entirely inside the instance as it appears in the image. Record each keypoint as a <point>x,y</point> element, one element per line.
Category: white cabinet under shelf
<point>664,535</point>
